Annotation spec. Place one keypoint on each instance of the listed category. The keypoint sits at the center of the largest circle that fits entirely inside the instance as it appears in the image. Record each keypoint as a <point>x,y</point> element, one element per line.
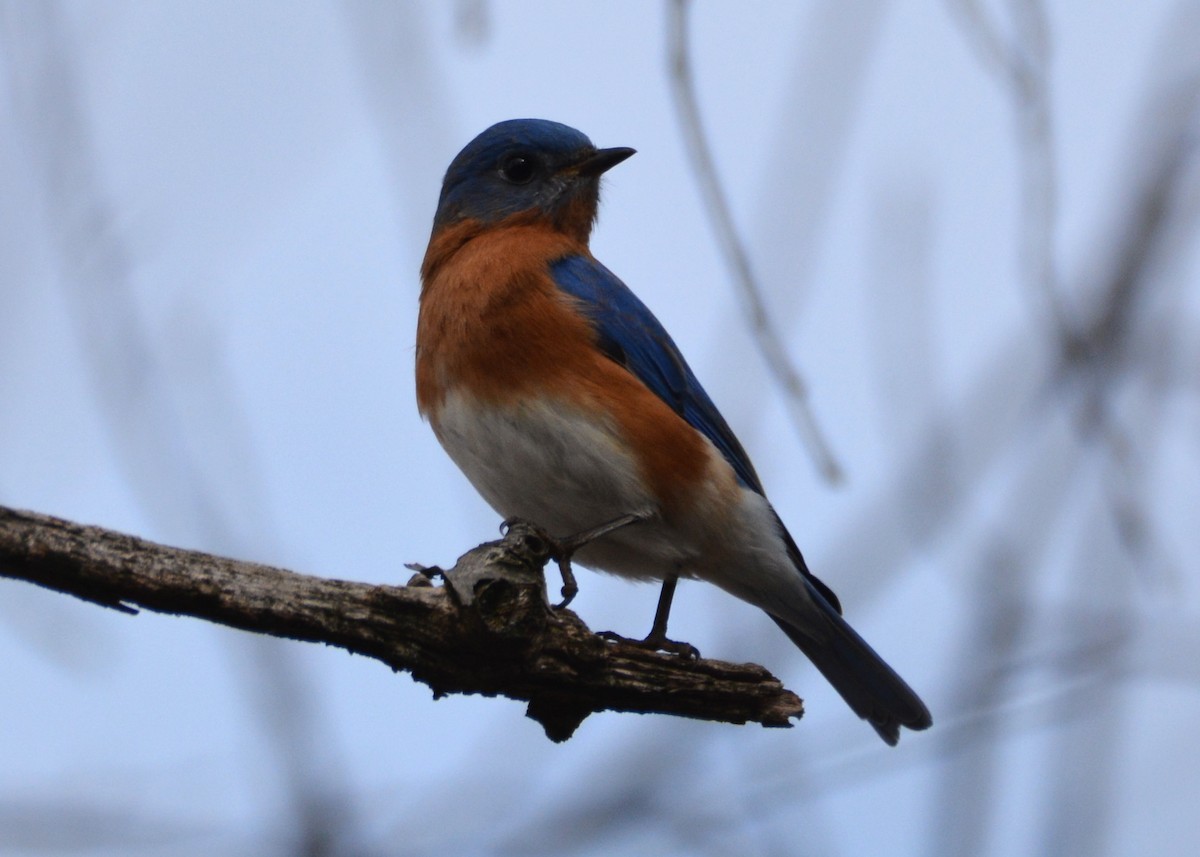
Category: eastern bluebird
<point>563,400</point>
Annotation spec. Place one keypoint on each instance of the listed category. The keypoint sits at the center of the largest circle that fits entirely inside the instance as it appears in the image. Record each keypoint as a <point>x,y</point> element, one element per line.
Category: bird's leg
<point>657,640</point>
<point>561,550</point>
<point>565,548</point>
<point>658,631</point>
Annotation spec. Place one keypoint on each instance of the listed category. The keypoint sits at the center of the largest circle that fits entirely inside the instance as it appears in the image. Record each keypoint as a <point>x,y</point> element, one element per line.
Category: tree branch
<point>488,631</point>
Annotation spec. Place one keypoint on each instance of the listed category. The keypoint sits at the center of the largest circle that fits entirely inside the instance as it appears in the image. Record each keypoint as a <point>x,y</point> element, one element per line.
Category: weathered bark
<point>488,631</point>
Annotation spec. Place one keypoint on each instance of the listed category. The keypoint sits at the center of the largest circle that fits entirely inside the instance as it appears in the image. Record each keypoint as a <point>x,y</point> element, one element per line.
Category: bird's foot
<point>655,643</point>
<point>562,550</point>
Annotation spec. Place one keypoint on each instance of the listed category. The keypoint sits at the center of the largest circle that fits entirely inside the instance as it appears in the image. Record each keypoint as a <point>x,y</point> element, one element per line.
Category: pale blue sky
<point>211,223</point>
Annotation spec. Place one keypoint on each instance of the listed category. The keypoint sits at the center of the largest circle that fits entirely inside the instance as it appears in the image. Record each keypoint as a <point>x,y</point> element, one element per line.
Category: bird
<point>564,402</point>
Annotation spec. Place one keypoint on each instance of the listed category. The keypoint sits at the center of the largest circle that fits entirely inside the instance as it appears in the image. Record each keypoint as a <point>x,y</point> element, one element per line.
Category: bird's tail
<point>869,686</point>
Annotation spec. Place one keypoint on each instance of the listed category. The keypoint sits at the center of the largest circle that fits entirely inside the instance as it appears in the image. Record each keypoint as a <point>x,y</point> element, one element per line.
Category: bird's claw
<point>561,550</point>
<point>655,643</point>
<point>569,588</point>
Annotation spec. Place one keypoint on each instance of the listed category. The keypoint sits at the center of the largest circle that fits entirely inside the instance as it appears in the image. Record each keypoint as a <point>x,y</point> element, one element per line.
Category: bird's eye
<point>518,169</point>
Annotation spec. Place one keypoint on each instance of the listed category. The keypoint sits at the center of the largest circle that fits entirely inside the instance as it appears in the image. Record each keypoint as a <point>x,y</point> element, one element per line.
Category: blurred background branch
<point>791,383</point>
<point>184,450</point>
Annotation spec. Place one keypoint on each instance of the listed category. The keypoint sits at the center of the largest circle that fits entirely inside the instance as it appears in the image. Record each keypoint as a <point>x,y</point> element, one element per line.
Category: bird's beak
<point>602,160</point>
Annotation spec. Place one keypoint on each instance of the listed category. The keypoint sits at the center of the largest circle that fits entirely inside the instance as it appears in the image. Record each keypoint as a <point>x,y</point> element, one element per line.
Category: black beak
<point>602,160</point>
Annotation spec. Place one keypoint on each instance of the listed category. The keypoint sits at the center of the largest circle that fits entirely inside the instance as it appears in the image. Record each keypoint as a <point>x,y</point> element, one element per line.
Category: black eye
<point>518,169</point>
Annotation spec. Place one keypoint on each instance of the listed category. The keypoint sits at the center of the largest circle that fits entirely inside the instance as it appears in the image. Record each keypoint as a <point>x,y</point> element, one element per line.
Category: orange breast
<point>493,326</point>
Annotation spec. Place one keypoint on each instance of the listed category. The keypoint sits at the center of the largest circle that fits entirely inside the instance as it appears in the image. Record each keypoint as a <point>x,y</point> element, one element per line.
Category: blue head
<point>543,169</point>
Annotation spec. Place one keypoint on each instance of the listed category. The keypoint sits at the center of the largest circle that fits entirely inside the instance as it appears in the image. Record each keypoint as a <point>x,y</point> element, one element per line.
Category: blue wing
<point>631,336</point>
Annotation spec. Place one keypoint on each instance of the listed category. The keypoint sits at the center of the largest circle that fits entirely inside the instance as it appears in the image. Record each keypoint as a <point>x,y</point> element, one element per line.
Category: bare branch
<point>1021,66</point>
<point>490,631</point>
<point>778,362</point>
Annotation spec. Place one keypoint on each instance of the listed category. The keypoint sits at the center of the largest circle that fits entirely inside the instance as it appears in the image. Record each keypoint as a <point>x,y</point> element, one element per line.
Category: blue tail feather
<point>870,687</point>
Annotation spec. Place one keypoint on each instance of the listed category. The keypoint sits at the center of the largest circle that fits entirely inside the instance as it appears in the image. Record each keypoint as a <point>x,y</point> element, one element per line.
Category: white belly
<point>552,465</point>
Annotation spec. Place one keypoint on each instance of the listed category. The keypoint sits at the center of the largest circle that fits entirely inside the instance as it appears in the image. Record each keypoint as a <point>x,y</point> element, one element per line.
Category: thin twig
<point>769,342</point>
<point>1022,68</point>
<point>1095,346</point>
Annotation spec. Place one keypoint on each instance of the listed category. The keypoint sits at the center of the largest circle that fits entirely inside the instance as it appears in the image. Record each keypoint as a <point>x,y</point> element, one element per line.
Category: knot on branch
<point>568,672</point>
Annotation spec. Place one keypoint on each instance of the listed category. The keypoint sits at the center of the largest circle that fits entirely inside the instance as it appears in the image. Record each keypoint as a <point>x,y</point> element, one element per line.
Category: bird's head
<point>542,170</point>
